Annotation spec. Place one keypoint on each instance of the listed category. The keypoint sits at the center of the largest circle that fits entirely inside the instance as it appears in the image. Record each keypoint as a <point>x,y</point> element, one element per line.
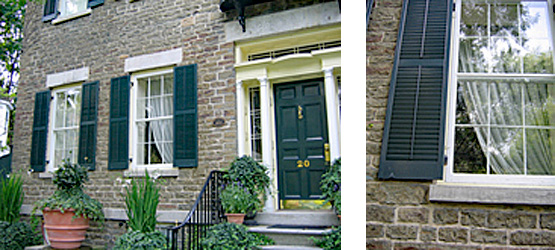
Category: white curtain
<point>163,129</point>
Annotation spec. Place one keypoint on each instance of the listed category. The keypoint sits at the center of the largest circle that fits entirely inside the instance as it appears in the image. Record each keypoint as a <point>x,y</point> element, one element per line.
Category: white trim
<point>154,60</point>
<point>266,128</point>
<point>444,192</point>
<point>332,109</point>
<point>61,19</point>
<point>240,95</point>
<point>70,76</point>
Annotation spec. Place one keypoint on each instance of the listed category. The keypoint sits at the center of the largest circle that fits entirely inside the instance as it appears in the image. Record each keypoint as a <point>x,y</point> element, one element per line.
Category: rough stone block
<point>380,213</point>
<point>433,246</point>
<point>374,230</point>
<point>403,193</point>
<point>547,221</point>
<point>473,217</point>
<point>451,234</point>
<point>497,219</point>
<point>534,238</point>
<point>411,214</point>
<point>445,216</point>
<point>378,244</point>
<point>488,236</point>
<point>428,234</point>
<point>404,232</point>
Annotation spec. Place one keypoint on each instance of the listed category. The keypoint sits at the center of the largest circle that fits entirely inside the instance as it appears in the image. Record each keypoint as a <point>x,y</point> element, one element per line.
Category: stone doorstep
<point>288,237</point>
<point>298,217</point>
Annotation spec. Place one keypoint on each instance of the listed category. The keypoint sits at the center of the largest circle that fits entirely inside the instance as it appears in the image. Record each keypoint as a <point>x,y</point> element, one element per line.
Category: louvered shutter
<point>118,144</point>
<point>413,142</point>
<point>50,10</point>
<point>87,128</point>
<point>40,131</point>
<point>94,3</point>
<point>185,116</point>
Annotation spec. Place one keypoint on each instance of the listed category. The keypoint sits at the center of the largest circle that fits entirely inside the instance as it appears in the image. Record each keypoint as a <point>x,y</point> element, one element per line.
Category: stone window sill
<point>456,192</point>
<point>46,175</point>
<point>152,172</point>
<point>62,19</point>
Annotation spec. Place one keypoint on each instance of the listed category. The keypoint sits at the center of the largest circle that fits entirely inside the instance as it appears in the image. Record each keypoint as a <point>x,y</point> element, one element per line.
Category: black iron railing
<point>206,211</point>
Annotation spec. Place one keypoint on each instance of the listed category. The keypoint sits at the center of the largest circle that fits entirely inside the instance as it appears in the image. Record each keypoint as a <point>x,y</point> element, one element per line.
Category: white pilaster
<point>266,135</point>
<point>333,114</point>
<point>240,96</point>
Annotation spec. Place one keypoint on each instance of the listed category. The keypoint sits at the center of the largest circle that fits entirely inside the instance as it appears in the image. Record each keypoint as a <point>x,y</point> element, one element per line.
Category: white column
<point>333,114</point>
<point>266,136</point>
<point>240,116</point>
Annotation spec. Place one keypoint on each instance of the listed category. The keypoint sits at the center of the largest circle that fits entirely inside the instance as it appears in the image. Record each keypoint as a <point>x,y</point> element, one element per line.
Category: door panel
<point>301,128</point>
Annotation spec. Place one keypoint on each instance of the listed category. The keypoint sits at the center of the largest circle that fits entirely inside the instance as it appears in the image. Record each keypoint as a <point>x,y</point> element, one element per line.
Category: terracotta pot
<point>339,217</point>
<point>64,231</point>
<point>235,218</point>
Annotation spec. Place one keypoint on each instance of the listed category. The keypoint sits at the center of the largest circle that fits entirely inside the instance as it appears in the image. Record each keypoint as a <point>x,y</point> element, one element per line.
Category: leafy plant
<point>69,179</point>
<point>230,236</point>
<point>331,185</point>
<point>131,240</point>
<point>236,199</point>
<point>11,198</point>
<point>249,174</point>
<point>17,235</point>
<point>141,201</point>
<point>331,241</point>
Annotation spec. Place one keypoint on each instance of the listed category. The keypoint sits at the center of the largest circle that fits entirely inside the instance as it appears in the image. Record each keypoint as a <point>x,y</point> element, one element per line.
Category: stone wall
<point>399,214</point>
<point>102,41</point>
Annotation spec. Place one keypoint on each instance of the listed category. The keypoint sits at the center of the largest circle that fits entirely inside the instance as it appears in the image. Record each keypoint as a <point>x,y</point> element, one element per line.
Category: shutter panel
<point>40,131</point>
<point>87,128</point>
<point>118,152</point>
<point>94,3</point>
<point>50,10</point>
<point>185,116</point>
<point>413,143</point>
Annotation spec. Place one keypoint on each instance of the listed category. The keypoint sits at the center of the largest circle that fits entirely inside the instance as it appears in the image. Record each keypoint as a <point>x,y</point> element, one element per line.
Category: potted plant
<point>331,186</point>
<point>68,211</point>
<point>237,201</point>
<point>251,176</point>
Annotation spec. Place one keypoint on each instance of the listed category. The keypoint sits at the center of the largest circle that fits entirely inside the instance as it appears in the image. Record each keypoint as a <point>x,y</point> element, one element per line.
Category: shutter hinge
<point>47,162</point>
<point>553,8</point>
<point>454,6</point>
<point>51,97</point>
<point>130,159</point>
<point>131,83</point>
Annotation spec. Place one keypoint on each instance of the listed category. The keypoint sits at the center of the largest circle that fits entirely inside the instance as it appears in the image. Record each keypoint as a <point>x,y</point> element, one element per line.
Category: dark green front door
<point>301,129</point>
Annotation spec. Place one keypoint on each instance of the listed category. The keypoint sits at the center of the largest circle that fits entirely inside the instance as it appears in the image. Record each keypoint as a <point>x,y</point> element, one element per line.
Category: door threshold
<point>309,205</point>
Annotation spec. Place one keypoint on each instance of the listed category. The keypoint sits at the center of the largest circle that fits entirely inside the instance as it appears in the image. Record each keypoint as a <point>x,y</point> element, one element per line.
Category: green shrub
<point>249,174</point>
<point>11,198</point>
<point>141,201</point>
<point>137,240</point>
<point>230,236</point>
<point>331,241</point>
<point>236,199</point>
<point>331,185</point>
<point>17,235</point>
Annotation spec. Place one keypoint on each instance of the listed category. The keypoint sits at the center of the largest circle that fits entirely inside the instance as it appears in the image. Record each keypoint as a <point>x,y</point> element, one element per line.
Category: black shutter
<point>40,131</point>
<point>118,152</point>
<point>94,3</point>
<point>413,142</point>
<point>50,10</point>
<point>185,116</point>
<point>87,128</point>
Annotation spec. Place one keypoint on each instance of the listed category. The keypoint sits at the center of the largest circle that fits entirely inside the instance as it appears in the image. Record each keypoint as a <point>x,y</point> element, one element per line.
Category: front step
<point>275,247</point>
<point>290,236</point>
<point>298,217</point>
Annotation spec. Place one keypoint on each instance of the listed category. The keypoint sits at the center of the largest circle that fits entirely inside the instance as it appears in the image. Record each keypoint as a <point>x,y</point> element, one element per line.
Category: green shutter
<point>413,142</point>
<point>185,116</point>
<point>40,131</point>
<point>50,10</point>
<point>118,152</point>
<point>87,128</point>
<point>94,3</point>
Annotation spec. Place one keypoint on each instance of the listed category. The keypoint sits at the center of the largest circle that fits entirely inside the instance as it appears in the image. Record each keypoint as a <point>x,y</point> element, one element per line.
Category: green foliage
<point>131,240</point>
<point>17,235</point>
<point>331,185</point>
<point>236,199</point>
<point>11,198</point>
<point>141,201</point>
<point>249,174</point>
<point>230,236</point>
<point>262,240</point>
<point>69,179</point>
<point>331,241</point>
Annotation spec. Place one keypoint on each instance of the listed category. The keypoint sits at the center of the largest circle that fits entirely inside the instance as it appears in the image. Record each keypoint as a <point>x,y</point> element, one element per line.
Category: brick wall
<point>399,214</point>
<point>102,41</point>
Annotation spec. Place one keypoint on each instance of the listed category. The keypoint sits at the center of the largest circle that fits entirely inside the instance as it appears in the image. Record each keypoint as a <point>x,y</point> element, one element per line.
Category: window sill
<point>456,192</point>
<point>46,175</point>
<point>152,172</point>
<point>71,17</point>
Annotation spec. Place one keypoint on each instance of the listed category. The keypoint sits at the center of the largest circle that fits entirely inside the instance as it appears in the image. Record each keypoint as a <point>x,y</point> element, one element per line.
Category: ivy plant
<point>132,240</point>
<point>236,199</point>
<point>249,174</point>
<point>331,185</point>
<point>331,241</point>
<point>17,236</point>
<point>231,236</point>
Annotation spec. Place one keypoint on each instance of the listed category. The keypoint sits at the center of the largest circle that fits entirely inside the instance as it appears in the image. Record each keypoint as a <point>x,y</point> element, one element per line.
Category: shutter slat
<point>118,143</point>
<point>87,129</point>
<point>414,127</point>
<point>40,131</point>
<point>185,116</point>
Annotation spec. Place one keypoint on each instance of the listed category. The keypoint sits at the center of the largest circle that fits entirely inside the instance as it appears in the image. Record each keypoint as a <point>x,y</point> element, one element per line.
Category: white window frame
<point>51,139</point>
<point>498,180</point>
<point>69,16</point>
<point>250,125</point>
<point>133,131</point>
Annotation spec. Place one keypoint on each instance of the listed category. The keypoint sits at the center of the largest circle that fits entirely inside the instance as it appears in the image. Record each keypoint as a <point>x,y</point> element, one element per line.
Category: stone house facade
<point>177,88</point>
<point>442,173</point>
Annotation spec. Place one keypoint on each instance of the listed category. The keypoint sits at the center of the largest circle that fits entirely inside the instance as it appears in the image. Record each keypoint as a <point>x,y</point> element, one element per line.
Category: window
<point>503,97</point>
<point>153,120</point>
<point>70,7</point>
<point>255,125</point>
<point>64,128</point>
<point>62,10</point>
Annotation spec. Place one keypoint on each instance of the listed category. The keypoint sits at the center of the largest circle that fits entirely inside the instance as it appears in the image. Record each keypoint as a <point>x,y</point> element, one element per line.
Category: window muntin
<point>70,7</point>
<point>504,117</point>
<point>153,120</point>
<point>255,124</point>
<point>66,109</point>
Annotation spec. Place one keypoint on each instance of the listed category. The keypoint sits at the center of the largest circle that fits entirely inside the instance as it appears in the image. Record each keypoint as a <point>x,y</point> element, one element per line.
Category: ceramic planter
<point>235,218</point>
<point>64,231</point>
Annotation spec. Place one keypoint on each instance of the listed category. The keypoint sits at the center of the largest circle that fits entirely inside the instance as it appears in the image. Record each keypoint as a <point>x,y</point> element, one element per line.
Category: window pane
<point>68,7</point>
<point>540,151</point>
<point>537,40</point>
<point>472,103</point>
<point>506,103</point>
<point>60,109</point>
<point>506,151</point>
<point>504,20</point>
<point>540,104</point>
<point>469,156</point>
<point>472,55</point>
<point>474,20</point>
<point>505,55</point>
<point>168,84</point>
<point>155,86</point>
